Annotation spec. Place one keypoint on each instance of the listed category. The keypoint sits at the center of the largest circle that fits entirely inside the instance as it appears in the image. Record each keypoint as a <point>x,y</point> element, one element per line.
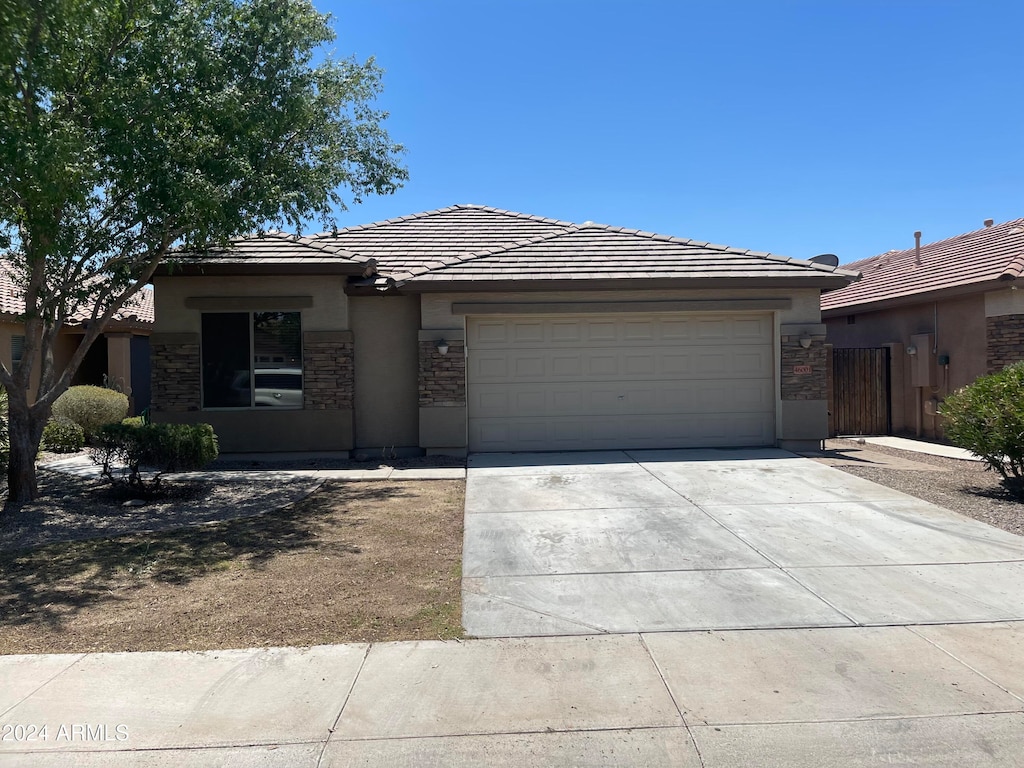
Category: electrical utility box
<point>921,364</point>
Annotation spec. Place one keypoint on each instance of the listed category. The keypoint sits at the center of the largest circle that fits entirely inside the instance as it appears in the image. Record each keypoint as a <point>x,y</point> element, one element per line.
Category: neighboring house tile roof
<point>138,309</point>
<point>988,255</point>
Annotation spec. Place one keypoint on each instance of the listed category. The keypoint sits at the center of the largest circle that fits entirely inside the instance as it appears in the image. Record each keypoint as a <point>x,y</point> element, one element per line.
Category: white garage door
<point>631,381</point>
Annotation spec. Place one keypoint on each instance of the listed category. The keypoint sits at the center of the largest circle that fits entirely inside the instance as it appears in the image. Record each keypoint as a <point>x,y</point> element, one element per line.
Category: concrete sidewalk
<point>919,446</point>
<point>935,696</point>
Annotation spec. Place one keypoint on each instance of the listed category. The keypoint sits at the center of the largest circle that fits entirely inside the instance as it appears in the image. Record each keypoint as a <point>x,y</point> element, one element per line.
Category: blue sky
<point>798,127</point>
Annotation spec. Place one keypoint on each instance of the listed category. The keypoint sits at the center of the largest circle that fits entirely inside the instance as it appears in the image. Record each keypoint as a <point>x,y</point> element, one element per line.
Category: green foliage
<point>91,407</point>
<point>987,418</point>
<point>132,128</point>
<point>133,421</point>
<point>62,435</point>
<point>126,451</point>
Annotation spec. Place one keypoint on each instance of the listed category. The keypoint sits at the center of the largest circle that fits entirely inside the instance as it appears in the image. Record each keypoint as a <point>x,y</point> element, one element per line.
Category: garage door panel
<point>566,433</point>
<point>624,398</point>
<point>532,365</point>
<point>653,381</point>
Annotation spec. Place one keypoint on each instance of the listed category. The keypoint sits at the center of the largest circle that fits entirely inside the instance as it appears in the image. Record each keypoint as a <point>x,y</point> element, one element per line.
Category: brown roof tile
<point>473,242</point>
<point>595,251</point>
<point>984,256</point>
<point>273,247</point>
<point>138,309</point>
<point>407,243</point>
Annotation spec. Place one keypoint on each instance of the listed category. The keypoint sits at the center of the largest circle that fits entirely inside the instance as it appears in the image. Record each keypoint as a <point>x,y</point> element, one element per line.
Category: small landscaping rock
<point>134,503</point>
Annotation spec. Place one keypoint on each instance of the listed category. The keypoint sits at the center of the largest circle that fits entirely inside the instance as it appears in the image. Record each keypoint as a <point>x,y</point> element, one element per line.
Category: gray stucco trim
<point>174,339</point>
<point>328,337</point>
<point>249,303</point>
<point>602,307</point>
<point>451,334</point>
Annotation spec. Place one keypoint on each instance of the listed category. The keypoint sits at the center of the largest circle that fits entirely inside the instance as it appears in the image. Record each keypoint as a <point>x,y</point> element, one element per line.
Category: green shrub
<point>987,418</point>
<point>62,435</point>
<point>133,421</point>
<point>125,451</point>
<point>91,407</point>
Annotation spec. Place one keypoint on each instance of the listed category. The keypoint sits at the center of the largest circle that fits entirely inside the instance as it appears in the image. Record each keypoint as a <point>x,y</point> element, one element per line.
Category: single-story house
<point>119,358</point>
<point>948,311</point>
<point>476,329</point>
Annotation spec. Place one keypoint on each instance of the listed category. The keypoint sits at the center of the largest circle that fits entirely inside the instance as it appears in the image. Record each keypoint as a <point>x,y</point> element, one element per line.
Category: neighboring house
<point>472,328</point>
<point>119,358</point>
<point>948,311</point>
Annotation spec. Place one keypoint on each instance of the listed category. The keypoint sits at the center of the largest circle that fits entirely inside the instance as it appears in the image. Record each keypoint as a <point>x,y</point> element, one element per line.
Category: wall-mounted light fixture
<point>911,349</point>
<point>805,341</point>
<point>442,347</point>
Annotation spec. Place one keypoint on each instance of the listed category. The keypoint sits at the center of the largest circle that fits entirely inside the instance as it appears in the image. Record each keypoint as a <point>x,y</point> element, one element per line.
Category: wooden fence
<point>858,392</point>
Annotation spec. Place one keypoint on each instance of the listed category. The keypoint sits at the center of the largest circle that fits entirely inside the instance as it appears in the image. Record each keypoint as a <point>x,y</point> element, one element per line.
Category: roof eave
<point>922,297</point>
<point>821,281</point>
<point>192,269</point>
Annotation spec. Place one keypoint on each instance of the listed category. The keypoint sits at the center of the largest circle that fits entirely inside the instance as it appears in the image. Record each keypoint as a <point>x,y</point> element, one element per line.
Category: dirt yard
<point>354,561</point>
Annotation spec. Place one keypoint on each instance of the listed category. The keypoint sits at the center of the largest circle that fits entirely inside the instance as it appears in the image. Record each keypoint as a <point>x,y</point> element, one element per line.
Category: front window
<point>252,359</point>
<point>17,349</point>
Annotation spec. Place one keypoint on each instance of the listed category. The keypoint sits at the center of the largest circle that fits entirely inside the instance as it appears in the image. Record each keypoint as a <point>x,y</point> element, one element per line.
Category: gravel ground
<point>72,508</point>
<point>962,486</point>
<point>76,508</point>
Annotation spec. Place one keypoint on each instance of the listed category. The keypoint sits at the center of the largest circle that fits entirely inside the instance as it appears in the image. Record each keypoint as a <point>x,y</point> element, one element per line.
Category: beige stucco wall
<point>261,429</point>
<point>64,347</point>
<point>384,330</point>
<point>959,333</point>
<point>798,423</point>
<point>1009,301</point>
<point>329,311</point>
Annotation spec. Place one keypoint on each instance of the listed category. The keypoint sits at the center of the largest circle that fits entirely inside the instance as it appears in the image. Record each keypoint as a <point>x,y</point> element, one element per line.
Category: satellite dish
<point>828,259</point>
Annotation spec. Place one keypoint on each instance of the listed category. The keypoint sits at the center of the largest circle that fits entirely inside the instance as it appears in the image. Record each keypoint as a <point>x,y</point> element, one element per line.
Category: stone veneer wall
<point>1004,336</point>
<point>804,386</point>
<point>442,377</point>
<point>328,375</point>
<point>175,375</point>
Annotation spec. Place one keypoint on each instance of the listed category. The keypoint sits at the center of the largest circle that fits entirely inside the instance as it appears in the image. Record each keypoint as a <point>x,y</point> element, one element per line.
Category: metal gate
<point>858,393</point>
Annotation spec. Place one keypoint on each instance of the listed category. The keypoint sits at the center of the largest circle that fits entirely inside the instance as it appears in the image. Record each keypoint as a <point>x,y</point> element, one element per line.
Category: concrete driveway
<point>653,541</point>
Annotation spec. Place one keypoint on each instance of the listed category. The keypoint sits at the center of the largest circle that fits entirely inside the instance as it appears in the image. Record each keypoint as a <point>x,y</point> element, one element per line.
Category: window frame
<point>250,313</point>
<point>15,360</point>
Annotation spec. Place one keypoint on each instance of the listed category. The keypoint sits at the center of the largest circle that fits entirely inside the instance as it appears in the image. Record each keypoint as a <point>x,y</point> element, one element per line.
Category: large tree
<point>129,128</point>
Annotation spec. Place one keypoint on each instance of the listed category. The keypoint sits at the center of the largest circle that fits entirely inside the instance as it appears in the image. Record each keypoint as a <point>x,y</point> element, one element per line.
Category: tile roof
<point>474,242</point>
<point>138,309</point>
<point>986,255</point>
<point>596,251</point>
<point>427,239</point>
<point>274,248</point>
<point>479,243</point>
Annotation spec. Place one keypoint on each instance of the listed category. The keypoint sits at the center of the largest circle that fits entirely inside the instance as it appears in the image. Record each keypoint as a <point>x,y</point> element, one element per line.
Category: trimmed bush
<point>987,418</point>
<point>133,421</point>
<point>91,407</point>
<point>62,435</point>
<point>125,450</point>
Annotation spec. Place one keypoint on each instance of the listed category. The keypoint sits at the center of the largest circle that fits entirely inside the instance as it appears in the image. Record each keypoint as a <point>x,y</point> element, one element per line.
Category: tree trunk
<point>25,431</point>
